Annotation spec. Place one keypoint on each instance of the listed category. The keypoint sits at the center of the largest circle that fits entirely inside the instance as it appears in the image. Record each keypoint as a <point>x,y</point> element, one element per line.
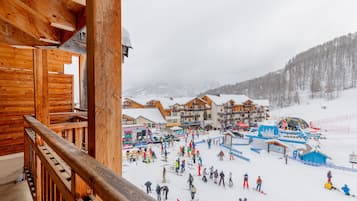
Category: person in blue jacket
<point>346,190</point>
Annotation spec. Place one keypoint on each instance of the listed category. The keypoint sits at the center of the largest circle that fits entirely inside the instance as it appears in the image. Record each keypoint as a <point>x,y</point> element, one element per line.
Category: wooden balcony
<point>57,166</point>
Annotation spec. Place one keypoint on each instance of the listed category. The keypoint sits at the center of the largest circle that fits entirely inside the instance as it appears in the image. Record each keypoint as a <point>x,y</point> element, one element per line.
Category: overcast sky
<point>225,40</point>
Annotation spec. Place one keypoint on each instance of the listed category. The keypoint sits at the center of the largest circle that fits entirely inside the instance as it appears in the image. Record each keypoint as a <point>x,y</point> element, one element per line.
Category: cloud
<point>228,41</point>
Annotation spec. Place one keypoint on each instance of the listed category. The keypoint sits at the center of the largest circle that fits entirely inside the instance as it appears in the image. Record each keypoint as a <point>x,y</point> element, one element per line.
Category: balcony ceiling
<point>40,22</point>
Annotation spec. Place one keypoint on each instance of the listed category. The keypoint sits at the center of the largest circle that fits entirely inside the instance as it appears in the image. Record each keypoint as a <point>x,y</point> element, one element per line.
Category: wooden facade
<point>17,92</point>
<point>64,158</point>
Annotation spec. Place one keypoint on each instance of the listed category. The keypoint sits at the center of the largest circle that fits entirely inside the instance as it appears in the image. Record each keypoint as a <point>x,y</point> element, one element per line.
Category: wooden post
<point>83,81</point>
<point>40,78</point>
<point>104,59</point>
<point>40,71</point>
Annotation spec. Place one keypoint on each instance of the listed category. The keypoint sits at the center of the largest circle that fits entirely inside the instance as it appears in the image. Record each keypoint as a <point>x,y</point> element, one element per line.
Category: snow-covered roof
<point>224,98</point>
<point>276,141</point>
<point>165,102</point>
<point>152,114</point>
<point>125,38</point>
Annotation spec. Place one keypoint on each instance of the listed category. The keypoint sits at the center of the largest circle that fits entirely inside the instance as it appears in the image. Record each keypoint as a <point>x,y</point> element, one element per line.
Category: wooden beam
<point>80,2</point>
<point>53,11</point>
<point>41,85</point>
<point>17,14</point>
<point>11,35</point>
<point>69,125</point>
<point>104,59</point>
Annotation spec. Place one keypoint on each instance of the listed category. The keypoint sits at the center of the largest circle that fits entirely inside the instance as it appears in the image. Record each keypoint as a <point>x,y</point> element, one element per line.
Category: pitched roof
<point>316,152</point>
<point>224,98</point>
<point>152,114</point>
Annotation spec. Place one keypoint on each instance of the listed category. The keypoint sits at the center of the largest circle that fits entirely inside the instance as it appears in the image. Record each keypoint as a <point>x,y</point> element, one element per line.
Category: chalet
<point>150,117</point>
<point>227,110</point>
<point>63,155</point>
<point>131,103</point>
<point>194,112</point>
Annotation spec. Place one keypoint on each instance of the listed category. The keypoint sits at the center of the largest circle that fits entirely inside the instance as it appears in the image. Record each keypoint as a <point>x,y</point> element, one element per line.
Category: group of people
<point>147,155</point>
<point>330,186</point>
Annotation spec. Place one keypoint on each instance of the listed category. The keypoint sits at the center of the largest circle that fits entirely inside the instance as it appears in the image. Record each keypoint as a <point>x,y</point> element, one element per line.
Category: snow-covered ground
<point>292,182</point>
<point>338,118</point>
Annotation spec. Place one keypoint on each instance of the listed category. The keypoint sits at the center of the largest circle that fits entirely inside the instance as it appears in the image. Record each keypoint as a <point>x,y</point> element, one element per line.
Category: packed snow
<point>293,181</point>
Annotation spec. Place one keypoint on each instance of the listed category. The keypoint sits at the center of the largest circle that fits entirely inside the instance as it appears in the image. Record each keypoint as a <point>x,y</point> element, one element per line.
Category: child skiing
<point>346,190</point>
<point>230,180</point>
<point>204,178</point>
<point>329,176</point>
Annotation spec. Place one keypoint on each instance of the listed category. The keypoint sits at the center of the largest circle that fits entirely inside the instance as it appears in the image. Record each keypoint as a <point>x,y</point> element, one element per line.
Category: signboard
<point>268,131</point>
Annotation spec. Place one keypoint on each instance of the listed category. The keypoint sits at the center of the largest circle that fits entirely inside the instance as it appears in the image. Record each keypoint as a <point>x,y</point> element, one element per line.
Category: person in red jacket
<point>245,181</point>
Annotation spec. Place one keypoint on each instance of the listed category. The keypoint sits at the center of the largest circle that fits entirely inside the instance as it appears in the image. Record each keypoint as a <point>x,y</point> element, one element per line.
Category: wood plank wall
<point>17,92</point>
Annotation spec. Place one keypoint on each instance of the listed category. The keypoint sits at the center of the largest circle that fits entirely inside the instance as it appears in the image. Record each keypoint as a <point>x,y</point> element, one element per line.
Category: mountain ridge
<point>322,71</point>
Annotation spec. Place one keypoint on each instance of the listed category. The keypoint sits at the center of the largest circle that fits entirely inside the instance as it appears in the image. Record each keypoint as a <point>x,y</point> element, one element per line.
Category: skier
<point>190,180</point>
<point>165,191</point>
<point>215,173</point>
<point>153,155</point>
<point>221,175</point>
<point>346,190</point>
<point>231,157</point>
<point>259,184</point>
<point>194,158</point>
<point>329,186</point>
<point>148,187</point>
<point>158,192</point>
<point>329,176</point>
<point>193,192</point>
<point>165,154</point>
<point>209,142</point>
<point>183,151</point>
<point>182,166</point>
<point>211,172</point>
<point>177,165</point>
<point>204,178</point>
<point>188,151</point>
<point>245,182</point>
<point>144,160</point>
<point>199,159</point>
<point>230,179</point>
<point>164,175</point>
<point>221,155</point>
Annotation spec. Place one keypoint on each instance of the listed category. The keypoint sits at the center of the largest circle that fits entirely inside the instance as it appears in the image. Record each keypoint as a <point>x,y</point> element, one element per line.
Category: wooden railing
<point>58,170</point>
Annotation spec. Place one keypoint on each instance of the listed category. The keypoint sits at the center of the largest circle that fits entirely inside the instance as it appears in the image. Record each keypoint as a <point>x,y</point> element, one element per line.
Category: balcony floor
<point>11,167</point>
<point>15,192</point>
